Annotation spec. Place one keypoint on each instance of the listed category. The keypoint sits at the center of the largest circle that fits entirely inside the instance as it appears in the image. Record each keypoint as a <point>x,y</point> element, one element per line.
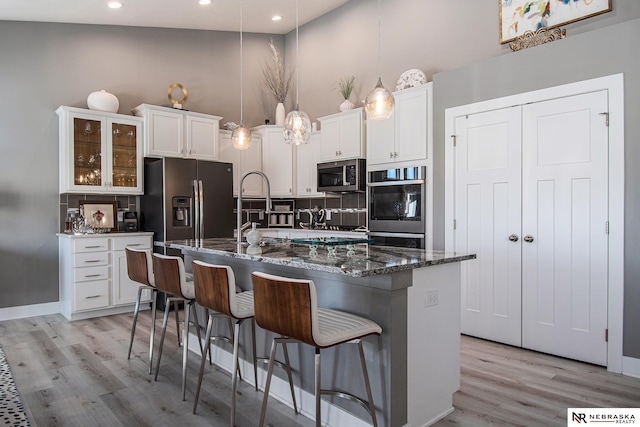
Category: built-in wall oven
<point>397,210</point>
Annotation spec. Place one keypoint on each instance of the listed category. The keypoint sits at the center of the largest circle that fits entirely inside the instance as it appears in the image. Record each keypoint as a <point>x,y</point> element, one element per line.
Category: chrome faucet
<point>241,227</point>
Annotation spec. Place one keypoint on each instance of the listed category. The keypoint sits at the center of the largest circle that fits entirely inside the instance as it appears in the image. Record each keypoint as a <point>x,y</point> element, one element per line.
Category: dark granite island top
<point>413,294</point>
<point>367,260</point>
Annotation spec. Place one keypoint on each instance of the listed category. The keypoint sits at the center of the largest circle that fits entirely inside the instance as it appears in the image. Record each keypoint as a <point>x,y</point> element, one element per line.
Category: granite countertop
<point>366,260</point>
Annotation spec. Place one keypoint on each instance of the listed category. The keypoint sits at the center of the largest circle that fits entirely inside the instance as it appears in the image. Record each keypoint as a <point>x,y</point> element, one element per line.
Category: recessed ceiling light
<point>114,5</point>
<point>276,18</point>
<point>204,2</point>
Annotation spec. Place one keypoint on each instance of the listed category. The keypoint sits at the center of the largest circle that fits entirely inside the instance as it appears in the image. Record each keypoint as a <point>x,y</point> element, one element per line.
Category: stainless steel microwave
<point>343,176</point>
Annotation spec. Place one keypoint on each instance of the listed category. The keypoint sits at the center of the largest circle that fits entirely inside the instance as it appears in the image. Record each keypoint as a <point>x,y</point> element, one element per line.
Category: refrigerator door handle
<point>201,208</point>
<point>196,196</point>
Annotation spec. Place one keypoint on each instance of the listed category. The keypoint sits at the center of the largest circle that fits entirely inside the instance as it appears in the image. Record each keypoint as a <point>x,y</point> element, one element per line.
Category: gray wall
<point>454,42</point>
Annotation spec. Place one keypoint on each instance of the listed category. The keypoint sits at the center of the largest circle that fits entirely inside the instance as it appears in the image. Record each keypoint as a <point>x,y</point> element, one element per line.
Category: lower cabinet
<point>93,274</point>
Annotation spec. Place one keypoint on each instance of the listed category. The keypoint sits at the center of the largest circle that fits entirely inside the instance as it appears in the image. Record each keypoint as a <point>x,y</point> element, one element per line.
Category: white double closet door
<point>531,201</point>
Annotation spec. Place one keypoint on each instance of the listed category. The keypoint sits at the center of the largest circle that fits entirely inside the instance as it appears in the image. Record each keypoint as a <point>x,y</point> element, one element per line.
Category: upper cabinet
<point>177,133</point>
<point>99,152</point>
<point>406,136</point>
<point>277,160</point>
<point>307,156</point>
<point>243,161</point>
<point>342,135</point>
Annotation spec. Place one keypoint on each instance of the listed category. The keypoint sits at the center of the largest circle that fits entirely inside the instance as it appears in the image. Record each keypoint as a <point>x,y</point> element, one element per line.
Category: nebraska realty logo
<point>581,416</point>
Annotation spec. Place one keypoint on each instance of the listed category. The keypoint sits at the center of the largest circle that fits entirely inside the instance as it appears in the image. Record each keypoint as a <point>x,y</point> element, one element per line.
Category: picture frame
<point>100,215</point>
<point>520,16</point>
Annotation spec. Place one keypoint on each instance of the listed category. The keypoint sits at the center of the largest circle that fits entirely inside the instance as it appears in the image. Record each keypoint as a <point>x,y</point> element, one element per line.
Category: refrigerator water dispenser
<point>182,207</point>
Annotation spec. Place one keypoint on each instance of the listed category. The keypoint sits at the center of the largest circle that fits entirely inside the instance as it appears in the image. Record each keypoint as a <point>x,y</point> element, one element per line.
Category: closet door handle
<point>513,237</point>
<point>528,238</point>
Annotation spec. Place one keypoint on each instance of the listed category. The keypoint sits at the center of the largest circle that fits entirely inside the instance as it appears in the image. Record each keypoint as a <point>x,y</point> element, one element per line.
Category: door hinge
<point>606,335</point>
<point>607,227</point>
<point>606,117</point>
<point>454,224</point>
<point>454,140</point>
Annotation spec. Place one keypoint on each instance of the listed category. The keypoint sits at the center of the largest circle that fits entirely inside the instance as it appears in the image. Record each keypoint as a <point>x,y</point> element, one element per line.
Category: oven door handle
<point>404,235</point>
<point>390,183</point>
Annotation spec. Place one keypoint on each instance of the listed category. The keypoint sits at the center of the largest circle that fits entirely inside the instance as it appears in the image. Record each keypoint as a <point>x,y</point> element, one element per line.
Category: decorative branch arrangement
<point>275,77</point>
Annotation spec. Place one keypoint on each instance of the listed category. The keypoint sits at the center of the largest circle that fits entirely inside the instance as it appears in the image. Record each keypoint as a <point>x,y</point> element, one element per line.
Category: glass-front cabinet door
<point>99,152</point>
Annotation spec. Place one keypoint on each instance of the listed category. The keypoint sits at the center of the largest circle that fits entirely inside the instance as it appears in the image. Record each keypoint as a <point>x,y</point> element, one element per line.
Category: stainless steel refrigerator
<point>187,199</point>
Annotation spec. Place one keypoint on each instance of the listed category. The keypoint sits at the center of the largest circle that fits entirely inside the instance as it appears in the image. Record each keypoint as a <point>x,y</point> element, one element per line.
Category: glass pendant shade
<point>379,103</point>
<point>241,138</point>
<point>297,127</point>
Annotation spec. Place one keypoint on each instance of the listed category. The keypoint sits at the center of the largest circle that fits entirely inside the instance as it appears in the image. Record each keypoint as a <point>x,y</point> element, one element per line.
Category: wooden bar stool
<point>289,307</point>
<point>170,278</point>
<point>215,289</point>
<point>140,270</point>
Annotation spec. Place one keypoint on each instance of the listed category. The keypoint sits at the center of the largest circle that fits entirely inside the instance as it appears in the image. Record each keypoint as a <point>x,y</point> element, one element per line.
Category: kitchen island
<point>413,294</point>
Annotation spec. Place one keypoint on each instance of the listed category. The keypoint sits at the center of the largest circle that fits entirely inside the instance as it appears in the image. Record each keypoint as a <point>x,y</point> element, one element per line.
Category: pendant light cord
<point>379,42</point>
<point>241,94</point>
<point>297,60</point>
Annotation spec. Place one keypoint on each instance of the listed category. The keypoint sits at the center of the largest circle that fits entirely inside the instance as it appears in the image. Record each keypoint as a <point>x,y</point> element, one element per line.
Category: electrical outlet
<point>431,299</point>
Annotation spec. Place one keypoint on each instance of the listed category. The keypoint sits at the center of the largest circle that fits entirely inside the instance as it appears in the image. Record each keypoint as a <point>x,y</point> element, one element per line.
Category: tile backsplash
<point>70,201</point>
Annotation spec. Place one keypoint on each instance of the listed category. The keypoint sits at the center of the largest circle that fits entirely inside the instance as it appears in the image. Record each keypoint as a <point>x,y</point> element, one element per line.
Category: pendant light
<point>297,126</point>
<point>379,102</point>
<point>241,136</point>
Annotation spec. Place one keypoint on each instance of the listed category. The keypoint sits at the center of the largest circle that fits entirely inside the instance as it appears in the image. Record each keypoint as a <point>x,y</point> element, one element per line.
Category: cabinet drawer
<point>135,242</point>
<point>91,245</point>
<point>91,295</point>
<point>90,273</point>
<point>90,259</point>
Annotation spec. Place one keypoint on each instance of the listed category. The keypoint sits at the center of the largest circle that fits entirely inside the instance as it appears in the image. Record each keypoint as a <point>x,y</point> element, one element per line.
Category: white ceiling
<point>223,15</point>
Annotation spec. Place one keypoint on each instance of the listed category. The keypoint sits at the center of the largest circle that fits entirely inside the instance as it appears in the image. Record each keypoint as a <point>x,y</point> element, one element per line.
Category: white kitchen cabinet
<point>277,160</point>
<point>307,158</point>
<point>342,136</point>
<point>170,132</point>
<point>243,161</point>
<point>99,152</point>
<point>407,135</point>
<point>93,274</point>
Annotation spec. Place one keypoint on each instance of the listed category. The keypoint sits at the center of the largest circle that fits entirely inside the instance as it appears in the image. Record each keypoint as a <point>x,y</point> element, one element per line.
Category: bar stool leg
<point>207,339</point>
<point>234,380</point>
<point>372,409</point>
<point>288,369</point>
<point>185,347</point>
<point>255,359</point>
<point>164,330</point>
<point>267,385</point>
<point>176,306</point>
<point>317,387</point>
<point>154,296</point>
<point>135,319</point>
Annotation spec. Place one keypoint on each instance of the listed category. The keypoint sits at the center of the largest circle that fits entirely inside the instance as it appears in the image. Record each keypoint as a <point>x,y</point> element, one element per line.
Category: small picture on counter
<point>101,215</point>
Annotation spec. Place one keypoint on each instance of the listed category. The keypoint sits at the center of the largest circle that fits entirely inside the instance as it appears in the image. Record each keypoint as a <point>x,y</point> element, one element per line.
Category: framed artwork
<point>519,16</point>
<point>100,214</point>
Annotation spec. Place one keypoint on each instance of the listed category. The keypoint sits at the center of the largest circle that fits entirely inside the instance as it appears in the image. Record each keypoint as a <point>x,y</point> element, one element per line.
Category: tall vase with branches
<point>277,80</point>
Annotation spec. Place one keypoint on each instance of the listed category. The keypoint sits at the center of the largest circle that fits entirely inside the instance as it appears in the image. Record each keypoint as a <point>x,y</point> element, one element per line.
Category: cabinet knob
<point>391,155</point>
<point>513,237</point>
<point>528,238</point>
<point>395,154</point>
<point>336,153</point>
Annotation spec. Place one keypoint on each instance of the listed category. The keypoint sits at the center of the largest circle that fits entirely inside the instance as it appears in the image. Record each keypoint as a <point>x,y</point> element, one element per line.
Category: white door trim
<point>614,84</point>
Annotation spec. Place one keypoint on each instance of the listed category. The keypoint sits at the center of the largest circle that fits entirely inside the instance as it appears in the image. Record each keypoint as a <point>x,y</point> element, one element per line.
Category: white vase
<point>254,237</point>
<point>280,114</point>
<point>347,105</point>
<point>103,101</point>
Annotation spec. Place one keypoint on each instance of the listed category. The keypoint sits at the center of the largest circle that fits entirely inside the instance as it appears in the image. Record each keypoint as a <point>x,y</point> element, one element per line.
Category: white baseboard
<point>11,313</point>
<point>631,366</point>
<point>331,415</point>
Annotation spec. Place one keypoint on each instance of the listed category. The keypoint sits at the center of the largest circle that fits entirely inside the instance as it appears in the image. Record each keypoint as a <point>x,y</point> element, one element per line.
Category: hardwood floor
<point>77,374</point>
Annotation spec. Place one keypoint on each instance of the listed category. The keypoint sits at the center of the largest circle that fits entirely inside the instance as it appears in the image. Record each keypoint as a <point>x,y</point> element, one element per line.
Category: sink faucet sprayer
<point>241,227</point>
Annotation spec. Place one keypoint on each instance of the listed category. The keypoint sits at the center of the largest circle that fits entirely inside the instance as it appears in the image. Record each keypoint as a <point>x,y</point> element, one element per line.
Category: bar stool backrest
<point>286,306</point>
<point>215,287</point>
<point>140,266</point>
<point>169,274</point>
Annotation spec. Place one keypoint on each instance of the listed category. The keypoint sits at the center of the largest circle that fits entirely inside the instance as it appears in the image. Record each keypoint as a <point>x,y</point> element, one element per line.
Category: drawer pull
<point>93,275</point>
<point>92,296</point>
<point>93,247</point>
<point>92,260</point>
<point>134,244</point>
